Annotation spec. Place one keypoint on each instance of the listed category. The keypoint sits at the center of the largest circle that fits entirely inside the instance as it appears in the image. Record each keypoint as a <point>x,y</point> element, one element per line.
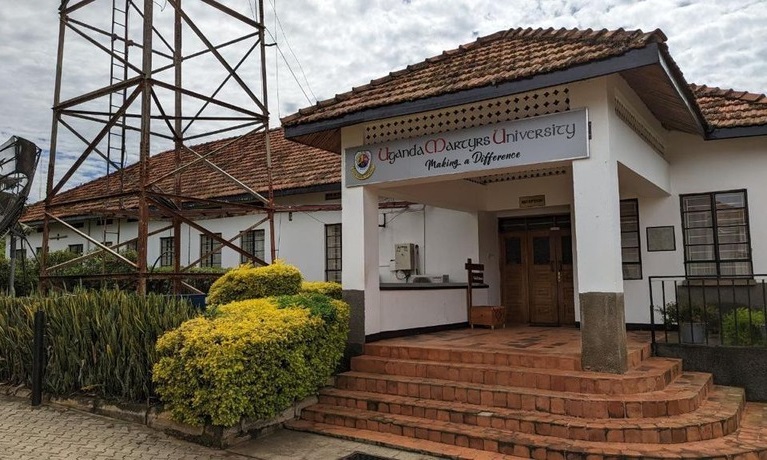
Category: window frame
<point>638,233</point>
<point>79,251</point>
<point>248,242</point>
<point>333,274</point>
<point>166,256</point>
<point>715,226</point>
<point>212,260</point>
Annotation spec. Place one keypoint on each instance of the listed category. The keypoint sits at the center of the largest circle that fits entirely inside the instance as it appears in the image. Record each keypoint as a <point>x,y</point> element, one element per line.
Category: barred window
<point>333,252</point>
<point>717,238</point>
<point>253,242</point>
<point>211,247</point>
<point>166,251</point>
<point>630,247</point>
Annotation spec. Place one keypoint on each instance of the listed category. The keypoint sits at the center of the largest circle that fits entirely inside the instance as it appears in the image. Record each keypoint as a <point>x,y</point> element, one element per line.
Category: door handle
<point>559,276</point>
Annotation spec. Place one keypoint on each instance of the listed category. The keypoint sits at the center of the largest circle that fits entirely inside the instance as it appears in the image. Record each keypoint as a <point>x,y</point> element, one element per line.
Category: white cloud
<point>346,43</point>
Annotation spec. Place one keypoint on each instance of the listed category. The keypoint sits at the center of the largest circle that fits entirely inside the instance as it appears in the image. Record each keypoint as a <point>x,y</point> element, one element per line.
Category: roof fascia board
<point>633,59</point>
<point>686,96</point>
<point>740,131</point>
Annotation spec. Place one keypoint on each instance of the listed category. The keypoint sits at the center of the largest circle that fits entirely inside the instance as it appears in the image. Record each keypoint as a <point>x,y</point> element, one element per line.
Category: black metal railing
<point>722,311</point>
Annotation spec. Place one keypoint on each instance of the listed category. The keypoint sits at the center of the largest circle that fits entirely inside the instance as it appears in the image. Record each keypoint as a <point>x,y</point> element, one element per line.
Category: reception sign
<point>560,136</point>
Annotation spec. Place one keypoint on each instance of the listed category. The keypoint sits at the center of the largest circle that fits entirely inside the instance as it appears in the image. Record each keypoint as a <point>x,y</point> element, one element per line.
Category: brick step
<point>718,416</point>
<point>500,356</point>
<point>421,446</point>
<point>685,394</point>
<point>653,374</point>
<point>749,442</point>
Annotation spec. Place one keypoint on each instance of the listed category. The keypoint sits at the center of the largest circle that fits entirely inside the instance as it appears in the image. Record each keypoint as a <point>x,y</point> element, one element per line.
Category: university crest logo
<point>363,166</point>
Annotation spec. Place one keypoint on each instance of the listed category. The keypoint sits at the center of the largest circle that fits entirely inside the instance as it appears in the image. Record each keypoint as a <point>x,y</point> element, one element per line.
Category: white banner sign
<point>560,136</point>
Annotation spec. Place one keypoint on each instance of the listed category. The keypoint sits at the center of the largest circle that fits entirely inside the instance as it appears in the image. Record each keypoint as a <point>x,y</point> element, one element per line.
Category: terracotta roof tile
<point>294,166</point>
<point>498,58</point>
<point>727,108</point>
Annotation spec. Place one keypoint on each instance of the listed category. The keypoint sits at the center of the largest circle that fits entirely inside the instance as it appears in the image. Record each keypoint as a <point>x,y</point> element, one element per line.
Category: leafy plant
<point>251,358</point>
<point>248,282</point>
<point>98,342</point>
<point>674,314</point>
<point>744,326</point>
<point>328,288</point>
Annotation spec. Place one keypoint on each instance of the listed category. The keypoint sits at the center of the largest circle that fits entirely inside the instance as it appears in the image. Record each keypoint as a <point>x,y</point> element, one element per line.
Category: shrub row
<point>250,358</point>
<point>98,342</point>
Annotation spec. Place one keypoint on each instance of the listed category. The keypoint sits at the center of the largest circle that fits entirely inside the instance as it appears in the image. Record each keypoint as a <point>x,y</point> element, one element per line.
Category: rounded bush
<point>248,282</point>
<point>250,358</point>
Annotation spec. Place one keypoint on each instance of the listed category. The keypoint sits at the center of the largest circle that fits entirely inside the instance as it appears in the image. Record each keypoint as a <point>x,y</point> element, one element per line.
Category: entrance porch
<point>520,392</point>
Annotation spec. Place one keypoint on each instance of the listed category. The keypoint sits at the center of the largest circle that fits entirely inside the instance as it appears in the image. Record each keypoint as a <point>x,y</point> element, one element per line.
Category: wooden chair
<point>482,315</point>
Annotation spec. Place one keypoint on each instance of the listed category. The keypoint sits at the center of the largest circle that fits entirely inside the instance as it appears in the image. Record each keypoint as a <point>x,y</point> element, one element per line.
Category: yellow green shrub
<point>328,288</point>
<point>250,358</point>
<point>248,282</point>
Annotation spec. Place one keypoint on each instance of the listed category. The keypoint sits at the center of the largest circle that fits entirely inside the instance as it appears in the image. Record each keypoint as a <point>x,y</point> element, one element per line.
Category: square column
<point>599,263</point>
<point>359,262</point>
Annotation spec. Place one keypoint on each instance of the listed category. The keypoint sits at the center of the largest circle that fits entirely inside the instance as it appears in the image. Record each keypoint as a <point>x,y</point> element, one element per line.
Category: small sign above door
<point>533,201</point>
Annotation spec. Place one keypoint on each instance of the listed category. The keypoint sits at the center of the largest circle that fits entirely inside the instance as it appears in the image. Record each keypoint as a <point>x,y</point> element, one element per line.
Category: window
<point>630,247</point>
<point>333,252</point>
<point>716,234</point>
<point>166,251</point>
<point>253,242</point>
<point>211,247</point>
<point>76,249</point>
<point>132,245</point>
<point>21,254</point>
<point>39,250</point>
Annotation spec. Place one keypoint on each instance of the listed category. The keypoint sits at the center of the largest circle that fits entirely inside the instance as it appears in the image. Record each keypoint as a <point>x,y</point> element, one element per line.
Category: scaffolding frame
<point>153,202</point>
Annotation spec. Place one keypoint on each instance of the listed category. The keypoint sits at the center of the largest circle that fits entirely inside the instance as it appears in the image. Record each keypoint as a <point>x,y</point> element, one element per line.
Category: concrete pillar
<point>359,242</point>
<point>600,273</point>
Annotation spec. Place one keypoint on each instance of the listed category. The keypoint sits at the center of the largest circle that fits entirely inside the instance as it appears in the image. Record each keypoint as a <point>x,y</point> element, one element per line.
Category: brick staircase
<point>506,403</point>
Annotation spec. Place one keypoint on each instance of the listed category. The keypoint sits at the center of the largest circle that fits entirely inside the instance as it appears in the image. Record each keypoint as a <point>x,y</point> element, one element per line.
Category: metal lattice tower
<point>149,101</point>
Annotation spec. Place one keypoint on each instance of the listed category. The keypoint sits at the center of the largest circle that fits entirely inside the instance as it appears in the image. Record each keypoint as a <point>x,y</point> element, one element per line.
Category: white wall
<point>698,166</point>
<point>423,308</point>
<point>300,237</point>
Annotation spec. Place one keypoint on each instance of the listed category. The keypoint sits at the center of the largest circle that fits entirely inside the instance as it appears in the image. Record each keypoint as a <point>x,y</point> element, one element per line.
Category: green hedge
<point>744,326</point>
<point>250,358</point>
<point>328,288</point>
<point>97,342</point>
<point>248,282</point>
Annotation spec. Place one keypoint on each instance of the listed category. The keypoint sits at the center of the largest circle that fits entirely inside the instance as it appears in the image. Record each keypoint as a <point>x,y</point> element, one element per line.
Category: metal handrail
<point>734,314</point>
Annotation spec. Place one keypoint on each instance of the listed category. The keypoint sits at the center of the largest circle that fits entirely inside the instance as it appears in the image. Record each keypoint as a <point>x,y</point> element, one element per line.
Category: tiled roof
<point>727,108</point>
<point>491,60</point>
<point>294,166</point>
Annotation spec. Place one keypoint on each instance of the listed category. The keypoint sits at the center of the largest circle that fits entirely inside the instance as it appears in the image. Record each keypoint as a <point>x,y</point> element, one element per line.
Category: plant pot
<point>692,332</point>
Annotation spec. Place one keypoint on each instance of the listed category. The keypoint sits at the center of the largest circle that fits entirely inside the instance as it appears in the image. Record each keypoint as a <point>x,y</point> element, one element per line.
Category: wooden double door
<point>537,276</point>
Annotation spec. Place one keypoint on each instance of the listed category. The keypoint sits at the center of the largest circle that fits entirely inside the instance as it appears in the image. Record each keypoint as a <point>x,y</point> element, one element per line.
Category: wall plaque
<point>534,201</point>
<point>661,239</point>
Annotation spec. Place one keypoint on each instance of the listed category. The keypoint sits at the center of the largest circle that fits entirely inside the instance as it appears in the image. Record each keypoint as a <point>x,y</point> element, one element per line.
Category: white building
<point>576,165</point>
<point>611,169</point>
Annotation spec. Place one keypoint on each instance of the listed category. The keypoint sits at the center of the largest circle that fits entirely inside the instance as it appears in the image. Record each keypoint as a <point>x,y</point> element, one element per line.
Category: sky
<point>325,47</point>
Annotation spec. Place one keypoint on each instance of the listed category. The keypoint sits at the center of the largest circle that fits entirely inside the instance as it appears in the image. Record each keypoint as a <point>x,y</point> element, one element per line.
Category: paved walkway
<point>52,433</point>
<point>48,432</point>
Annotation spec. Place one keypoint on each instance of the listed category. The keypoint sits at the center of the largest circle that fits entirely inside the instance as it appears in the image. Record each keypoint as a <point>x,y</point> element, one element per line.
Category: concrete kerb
<point>156,418</point>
